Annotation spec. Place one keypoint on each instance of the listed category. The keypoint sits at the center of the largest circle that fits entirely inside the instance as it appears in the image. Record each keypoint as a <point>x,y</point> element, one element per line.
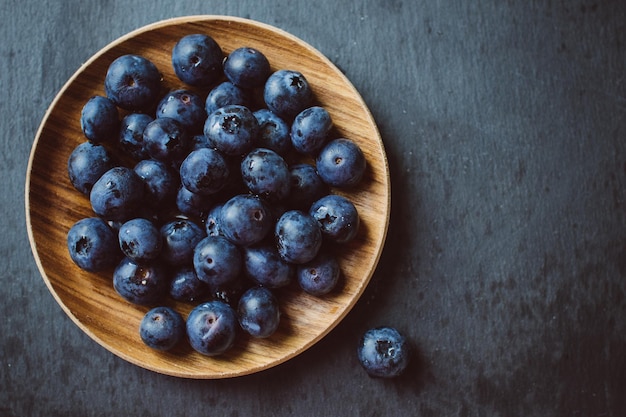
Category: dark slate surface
<point>505,127</point>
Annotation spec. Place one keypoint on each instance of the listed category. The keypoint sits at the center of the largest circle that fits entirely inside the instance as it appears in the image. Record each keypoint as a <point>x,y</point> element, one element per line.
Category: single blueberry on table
<point>212,328</point>
<point>287,93</point>
<point>133,83</point>
<point>131,134</point>
<point>320,275</point>
<point>140,240</point>
<point>263,265</point>
<point>140,283</point>
<point>266,174</point>
<point>306,186</point>
<point>247,67</point>
<point>117,194</point>
<point>232,129</point>
<point>217,261</point>
<point>92,244</point>
<point>341,163</point>
<point>180,236</point>
<point>166,140</point>
<point>86,164</point>
<point>185,285</point>
<point>225,94</point>
<point>273,132</point>
<point>162,328</point>
<point>383,352</point>
<point>309,130</point>
<point>184,106</point>
<point>204,171</point>
<point>337,217</point>
<point>245,219</point>
<point>99,119</point>
<point>258,312</point>
<point>197,60</point>
<point>298,237</point>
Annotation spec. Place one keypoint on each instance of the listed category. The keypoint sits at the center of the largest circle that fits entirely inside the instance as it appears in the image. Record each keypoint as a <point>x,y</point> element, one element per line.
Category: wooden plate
<point>53,205</point>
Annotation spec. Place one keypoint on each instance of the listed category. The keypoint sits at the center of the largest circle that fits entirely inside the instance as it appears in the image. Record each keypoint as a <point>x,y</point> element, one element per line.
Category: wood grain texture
<point>53,205</point>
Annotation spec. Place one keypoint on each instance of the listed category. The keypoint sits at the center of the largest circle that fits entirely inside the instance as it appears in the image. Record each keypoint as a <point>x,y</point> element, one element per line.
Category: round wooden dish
<point>53,205</point>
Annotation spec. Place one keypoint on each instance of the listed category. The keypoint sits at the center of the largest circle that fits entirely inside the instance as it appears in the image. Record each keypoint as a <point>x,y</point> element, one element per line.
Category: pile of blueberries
<point>201,193</point>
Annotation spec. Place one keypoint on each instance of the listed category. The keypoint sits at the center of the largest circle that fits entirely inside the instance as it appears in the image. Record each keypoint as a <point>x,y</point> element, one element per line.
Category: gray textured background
<point>505,128</point>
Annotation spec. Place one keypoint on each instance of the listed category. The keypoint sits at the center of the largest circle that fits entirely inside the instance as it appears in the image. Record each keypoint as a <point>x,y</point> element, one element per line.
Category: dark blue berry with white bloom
<point>197,60</point>
<point>180,236</point>
<point>185,285</point>
<point>166,140</point>
<point>247,67</point>
<point>309,130</point>
<point>212,328</point>
<point>160,181</point>
<point>245,219</point>
<point>204,171</point>
<point>337,217</point>
<point>383,352</point>
<point>273,132</point>
<point>117,194</point>
<point>162,328</point>
<point>86,164</point>
<point>212,222</point>
<point>287,93</point>
<point>265,173</point>
<point>306,186</point>
<point>186,107</point>
<point>263,265</point>
<point>99,119</point>
<point>217,261</point>
<point>232,129</point>
<point>140,240</point>
<point>140,283</point>
<point>192,204</point>
<point>298,237</point>
<point>131,134</point>
<point>341,163</point>
<point>320,275</point>
<point>133,83</point>
<point>258,312</point>
<point>225,94</point>
<point>92,244</point>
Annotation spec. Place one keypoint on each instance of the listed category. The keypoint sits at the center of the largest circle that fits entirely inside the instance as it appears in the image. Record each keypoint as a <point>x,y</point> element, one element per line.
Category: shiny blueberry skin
<point>273,132</point>
<point>265,173</point>
<point>92,244</point>
<point>197,60</point>
<point>225,94</point>
<point>258,312</point>
<point>185,285</point>
<point>245,219</point>
<point>232,129</point>
<point>217,261</point>
<point>341,163</point>
<point>247,67</point>
<point>306,186</point>
<point>117,194</point>
<point>212,222</point>
<point>287,93</point>
<point>166,140</point>
<point>320,275</point>
<point>298,237</point>
<point>383,352</point>
<point>160,180</point>
<point>309,130</point>
<point>263,265</point>
<point>192,204</point>
<point>133,83</point>
<point>131,134</point>
<point>99,119</point>
<point>140,240</point>
<point>140,283</point>
<point>212,328</point>
<point>180,236</point>
<point>86,164</point>
<point>184,106</point>
<point>337,216</point>
<point>204,171</point>
<point>162,328</point>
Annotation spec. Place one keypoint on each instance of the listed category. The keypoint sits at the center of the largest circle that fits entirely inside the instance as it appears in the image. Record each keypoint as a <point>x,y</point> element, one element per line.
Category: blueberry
<point>92,244</point>
<point>140,240</point>
<point>160,181</point>
<point>245,219</point>
<point>212,221</point>
<point>99,119</point>
<point>309,130</point>
<point>204,171</point>
<point>140,283</point>
<point>287,93</point>
<point>383,352</point>
<point>166,140</point>
<point>263,265</point>
<point>265,173</point>
<point>117,194</point>
<point>185,285</point>
<point>298,237</point>
<point>337,216</point>
<point>320,275</point>
<point>184,106</point>
<point>225,94</point>
<point>258,312</point>
<point>217,261</point>
<point>180,236</point>
<point>162,328</point>
<point>232,129</point>
<point>247,67</point>
<point>341,163</point>
<point>86,164</point>
<point>212,327</point>
<point>192,204</point>
<point>197,60</point>
<point>199,141</point>
<point>131,134</point>
<point>133,83</point>
<point>273,132</point>
<point>306,186</point>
